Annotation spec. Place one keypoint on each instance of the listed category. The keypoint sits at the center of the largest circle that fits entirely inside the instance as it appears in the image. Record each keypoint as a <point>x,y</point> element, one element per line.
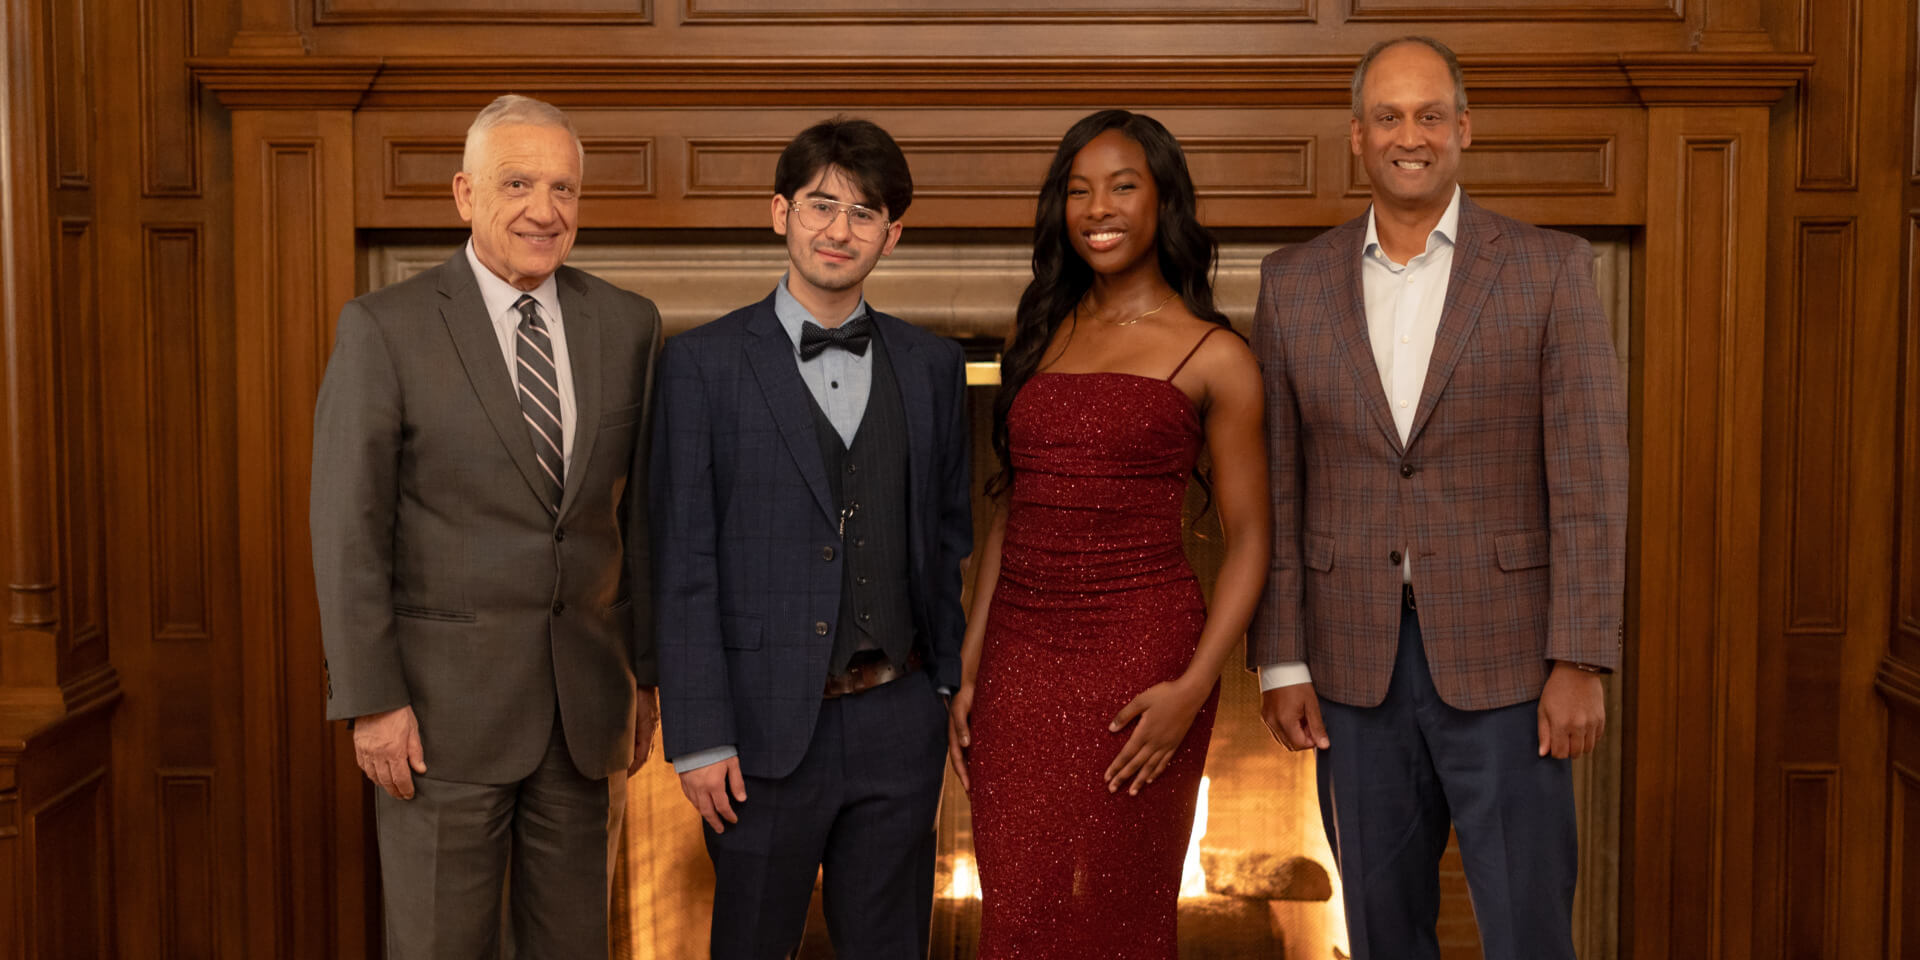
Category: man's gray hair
<point>1445,52</point>
<point>512,109</point>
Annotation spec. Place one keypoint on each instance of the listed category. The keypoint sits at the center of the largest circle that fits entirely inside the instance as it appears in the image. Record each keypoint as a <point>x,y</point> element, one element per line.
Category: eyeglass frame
<point>840,208</point>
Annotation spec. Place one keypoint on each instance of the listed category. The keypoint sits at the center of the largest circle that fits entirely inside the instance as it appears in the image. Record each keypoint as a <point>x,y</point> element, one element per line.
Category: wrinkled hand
<point>959,735</point>
<point>387,748</point>
<point>1573,712</point>
<point>714,789</point>
<point>1165,711</point>
<point>646,719</point>
<point>1292,715</point>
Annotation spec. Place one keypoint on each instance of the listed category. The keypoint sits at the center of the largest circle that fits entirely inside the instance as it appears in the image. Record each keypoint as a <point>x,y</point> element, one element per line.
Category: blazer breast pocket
<point>1522,551</point>
<point>1316,551</point>
<point>623,417</point>
<point>740,633</point>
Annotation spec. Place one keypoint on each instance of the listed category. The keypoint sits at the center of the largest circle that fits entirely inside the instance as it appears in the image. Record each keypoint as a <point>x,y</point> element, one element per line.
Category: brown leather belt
<point>867,674</point>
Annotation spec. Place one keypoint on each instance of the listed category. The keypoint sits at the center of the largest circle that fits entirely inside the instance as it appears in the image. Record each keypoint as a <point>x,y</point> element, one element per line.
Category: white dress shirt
<point>500,296</point>
<point>1403,305</point>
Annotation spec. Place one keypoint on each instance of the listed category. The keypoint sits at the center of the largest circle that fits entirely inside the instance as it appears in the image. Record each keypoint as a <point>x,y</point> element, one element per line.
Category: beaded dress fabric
<point>1095,603</point>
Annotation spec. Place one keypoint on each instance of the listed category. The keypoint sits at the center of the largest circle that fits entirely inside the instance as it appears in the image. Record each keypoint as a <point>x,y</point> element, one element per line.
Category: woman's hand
<point>1165,711</point>
<point>959,737</point>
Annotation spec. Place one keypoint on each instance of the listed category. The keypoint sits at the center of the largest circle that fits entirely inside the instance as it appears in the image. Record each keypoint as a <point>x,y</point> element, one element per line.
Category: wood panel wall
<point>187,182</point>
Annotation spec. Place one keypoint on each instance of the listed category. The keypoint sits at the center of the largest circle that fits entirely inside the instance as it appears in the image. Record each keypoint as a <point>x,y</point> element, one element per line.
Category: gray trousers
<point>1395,778</point>
<point>445,856</point>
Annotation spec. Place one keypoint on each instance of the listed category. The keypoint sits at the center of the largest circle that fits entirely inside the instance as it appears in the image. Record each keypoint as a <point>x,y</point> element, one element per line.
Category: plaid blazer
<point>1511,490</point>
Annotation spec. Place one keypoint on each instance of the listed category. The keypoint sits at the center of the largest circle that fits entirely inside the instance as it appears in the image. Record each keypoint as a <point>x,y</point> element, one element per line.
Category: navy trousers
<point>1394,779</point>
<point>858,812</point>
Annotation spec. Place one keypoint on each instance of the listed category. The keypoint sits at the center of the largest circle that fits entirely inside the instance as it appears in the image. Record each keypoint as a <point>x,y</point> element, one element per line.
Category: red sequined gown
<point>1095,603</point>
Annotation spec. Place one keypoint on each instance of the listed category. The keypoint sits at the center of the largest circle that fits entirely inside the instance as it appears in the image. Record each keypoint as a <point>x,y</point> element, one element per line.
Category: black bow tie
<point>851,336</point>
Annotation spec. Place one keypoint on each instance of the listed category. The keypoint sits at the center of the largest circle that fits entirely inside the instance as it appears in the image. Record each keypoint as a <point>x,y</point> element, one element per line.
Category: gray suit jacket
<point>444,582</point>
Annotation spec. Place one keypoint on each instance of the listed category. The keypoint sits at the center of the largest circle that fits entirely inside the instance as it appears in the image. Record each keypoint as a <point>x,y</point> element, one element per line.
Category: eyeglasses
<point>818,213</point>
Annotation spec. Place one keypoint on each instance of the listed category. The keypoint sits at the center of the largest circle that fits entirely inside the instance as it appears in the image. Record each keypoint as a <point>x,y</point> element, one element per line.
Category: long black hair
<point>1185,247</point>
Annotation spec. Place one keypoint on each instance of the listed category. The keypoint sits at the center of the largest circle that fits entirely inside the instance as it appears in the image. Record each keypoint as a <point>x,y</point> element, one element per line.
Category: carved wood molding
<point>1899,682</point>
<point>310,82</point>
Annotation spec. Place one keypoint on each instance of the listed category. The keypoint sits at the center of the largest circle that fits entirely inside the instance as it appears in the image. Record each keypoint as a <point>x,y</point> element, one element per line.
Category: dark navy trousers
<point>1397,775</point>
<point>858,812</point>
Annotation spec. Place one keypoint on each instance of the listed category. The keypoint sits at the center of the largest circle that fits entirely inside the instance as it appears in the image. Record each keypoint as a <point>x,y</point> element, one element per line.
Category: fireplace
<point>1260,876</point>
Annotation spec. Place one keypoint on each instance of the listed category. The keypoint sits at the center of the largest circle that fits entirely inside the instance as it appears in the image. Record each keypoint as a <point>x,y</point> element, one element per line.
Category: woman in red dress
<point>1091,659</point>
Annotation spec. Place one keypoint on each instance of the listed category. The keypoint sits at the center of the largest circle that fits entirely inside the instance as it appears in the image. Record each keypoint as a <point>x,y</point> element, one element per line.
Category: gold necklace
<point>1149,313</point>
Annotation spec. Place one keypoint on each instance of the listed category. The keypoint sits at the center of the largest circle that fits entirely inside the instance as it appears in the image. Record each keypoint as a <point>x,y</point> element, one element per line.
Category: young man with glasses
<point>810,494</point>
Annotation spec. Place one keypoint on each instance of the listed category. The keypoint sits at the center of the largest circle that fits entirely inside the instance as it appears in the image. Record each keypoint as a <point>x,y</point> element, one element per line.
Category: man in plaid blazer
<point>811,508</point>
<point>1450,472</point>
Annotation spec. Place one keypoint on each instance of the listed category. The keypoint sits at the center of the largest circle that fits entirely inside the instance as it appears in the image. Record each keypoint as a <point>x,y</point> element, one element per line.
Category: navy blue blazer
<point>741,519</point>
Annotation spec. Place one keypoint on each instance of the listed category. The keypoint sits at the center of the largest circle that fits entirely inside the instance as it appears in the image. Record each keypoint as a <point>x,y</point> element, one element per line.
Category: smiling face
<point>1409,134</point>
<point>831,260</point>
<point>523,201</point>
<point>1113,205</point>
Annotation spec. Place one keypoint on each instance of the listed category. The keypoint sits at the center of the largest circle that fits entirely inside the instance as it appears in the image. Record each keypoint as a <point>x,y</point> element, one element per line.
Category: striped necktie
<point>540,396</point>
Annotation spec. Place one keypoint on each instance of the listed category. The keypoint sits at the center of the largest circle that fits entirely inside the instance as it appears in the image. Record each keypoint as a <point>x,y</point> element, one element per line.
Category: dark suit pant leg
<point>879,857</point>
<point>861,805</point>
<point>764,866</point>
<point>1400,773</point>
<point>445,856</point>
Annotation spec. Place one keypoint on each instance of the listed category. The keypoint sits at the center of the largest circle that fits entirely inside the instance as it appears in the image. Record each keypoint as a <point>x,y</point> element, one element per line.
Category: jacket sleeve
<point>356,451</point>
<point>1276,634</point>
<point>955,529</point>
<point>641,653</point>
<point>1584,426</point>
<point>696,706</point>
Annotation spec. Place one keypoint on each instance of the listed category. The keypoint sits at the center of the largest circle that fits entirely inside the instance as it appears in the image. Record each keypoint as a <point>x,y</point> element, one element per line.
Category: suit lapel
<point>1476,264</point>
<point>582,330</point>
<point>1350,325</point>
<point>770,354</point>
<point>465,315</point>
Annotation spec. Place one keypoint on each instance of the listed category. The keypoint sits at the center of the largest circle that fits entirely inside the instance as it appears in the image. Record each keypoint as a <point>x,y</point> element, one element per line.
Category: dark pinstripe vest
<point>870,479</point>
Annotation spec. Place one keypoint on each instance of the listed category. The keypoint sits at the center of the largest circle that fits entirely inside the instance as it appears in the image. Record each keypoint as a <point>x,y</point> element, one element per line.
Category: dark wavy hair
<point>1186,252</point>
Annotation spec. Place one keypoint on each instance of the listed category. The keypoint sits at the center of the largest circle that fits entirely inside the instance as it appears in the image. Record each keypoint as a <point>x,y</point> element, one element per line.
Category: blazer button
<point>559,535</point>
<point>819,628</point>
<point>559,607</point>
<point>1394,558</point>
<point>1406,470</point>
<point>826,553</point>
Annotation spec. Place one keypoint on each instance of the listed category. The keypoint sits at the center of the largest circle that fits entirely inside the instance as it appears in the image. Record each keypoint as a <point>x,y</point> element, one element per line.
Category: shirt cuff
<point>1284,674</point>
<point>704,758</point>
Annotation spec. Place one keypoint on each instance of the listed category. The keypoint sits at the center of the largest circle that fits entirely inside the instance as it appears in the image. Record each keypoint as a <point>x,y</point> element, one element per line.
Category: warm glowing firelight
<point>1193,879</point>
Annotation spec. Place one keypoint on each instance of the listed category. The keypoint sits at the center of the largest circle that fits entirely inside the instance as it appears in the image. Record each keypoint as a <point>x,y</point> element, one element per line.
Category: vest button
<point>866,618</point>
<point>1406,470</point>
<point>1394,558</point>
<point>559,607</point>
<point>819,628</point>
<point>862,581</point>
<point>859,541</point>
<point>853,468</point>
<point>826,553</point>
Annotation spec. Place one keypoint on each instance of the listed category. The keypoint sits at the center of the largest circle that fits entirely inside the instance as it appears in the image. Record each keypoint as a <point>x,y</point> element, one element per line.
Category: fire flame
<point>965,882</point>
<point>1193,879</point>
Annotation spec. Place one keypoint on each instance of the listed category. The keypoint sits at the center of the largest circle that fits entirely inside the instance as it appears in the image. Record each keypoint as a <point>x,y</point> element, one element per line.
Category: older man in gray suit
<point>480,552</point>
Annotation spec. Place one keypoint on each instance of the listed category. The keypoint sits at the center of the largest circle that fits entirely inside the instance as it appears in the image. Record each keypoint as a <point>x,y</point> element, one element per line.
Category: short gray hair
<point>1445,52</point>
<point>510,109</point>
